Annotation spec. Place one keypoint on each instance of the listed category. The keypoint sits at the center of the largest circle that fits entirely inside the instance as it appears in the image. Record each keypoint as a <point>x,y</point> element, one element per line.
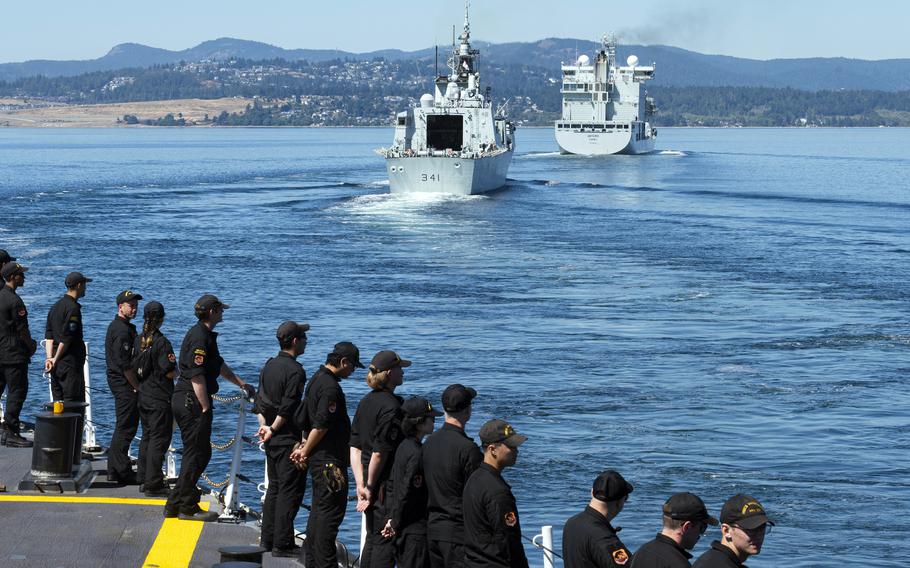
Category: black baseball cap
<point>73,279</point>
<point>744,511</point>
<point>127,296</point>
<point>457,397</point>
<point>500,432</point>
<point>153,309</point>
<point>349,351</point>
<point>208,302</point>
<point>11,268</point>
<point>611,486</point>
<point>291,329</point>
<point>419,407</point>
<point>387,360</point>
<point>687,507</point>
<point>5,257</point>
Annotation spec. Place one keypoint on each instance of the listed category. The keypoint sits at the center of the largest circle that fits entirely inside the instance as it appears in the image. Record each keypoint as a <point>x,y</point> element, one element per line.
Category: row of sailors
<point>442,502</point>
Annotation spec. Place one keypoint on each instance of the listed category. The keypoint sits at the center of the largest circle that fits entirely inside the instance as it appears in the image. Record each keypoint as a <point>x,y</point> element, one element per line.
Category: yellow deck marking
<point>175,544</point>
<point>86,500</point>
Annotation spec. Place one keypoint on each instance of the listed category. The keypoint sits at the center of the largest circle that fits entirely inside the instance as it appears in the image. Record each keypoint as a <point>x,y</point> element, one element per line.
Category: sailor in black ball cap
<point>589,540</point>
<point>449,458</point>
<point>16,350</point>
<point>492,528</point>
<point>405,509</point>
<point>200,364</point>
<point>743,526</point>
<point>685,519</point>
<point>281,384</point>
<point>65,345</point>
<point>121,378</point>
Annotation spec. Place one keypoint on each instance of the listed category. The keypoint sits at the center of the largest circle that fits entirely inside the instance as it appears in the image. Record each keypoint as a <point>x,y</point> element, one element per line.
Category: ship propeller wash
<point>601,106</point>
<point>452,142</point>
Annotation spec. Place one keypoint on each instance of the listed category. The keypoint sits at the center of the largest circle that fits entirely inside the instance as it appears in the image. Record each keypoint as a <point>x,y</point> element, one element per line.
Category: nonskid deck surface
<point>104,526</point>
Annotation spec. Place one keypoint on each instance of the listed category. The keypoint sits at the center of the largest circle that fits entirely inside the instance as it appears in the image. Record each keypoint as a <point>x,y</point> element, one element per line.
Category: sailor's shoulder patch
<point>620,556</point>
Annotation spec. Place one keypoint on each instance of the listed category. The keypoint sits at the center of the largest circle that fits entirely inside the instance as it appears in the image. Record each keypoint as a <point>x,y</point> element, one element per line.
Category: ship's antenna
<point>467,26</point>
<point>437,61</point>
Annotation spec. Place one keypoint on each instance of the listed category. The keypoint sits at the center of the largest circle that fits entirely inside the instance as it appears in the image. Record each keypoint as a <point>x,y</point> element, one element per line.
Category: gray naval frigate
<point>452,142</point>
<point>602,110</point>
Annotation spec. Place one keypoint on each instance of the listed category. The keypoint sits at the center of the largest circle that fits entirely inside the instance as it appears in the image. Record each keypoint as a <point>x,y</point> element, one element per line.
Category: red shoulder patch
<point>171,357</point>
<point>511,519</point>
<point>620,556</point>
<point>418,481</point>
<point>199,359</point>
<point>22,312</point>
<point>333,407</point>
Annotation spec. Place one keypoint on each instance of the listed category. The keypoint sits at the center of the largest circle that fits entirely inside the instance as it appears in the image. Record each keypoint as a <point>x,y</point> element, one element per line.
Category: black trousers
<point>196,433</point>
<point>444,554</point>
<point>329,504</point>
<point>68,381</point>
<point>412,551</point>
<point>157,420</point>
<point>126,405</point>
<point>378,551</point>
<point>283,498</point>
<point>14,379</point>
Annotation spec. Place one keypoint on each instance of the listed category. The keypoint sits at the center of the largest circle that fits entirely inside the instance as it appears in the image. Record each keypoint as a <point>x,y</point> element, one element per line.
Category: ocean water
<point>729,314</point>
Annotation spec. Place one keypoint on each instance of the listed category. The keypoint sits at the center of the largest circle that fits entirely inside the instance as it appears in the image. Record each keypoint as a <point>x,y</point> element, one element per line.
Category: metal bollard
<point>546,543</point>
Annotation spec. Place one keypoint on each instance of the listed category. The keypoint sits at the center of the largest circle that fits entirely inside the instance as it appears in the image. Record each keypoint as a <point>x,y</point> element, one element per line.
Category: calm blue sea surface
<point>727,315</point>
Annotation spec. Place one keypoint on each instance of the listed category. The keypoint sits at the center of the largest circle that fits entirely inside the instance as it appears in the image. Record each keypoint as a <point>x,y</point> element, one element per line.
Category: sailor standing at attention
<point>16,350</point>
<point>375,435</point>
<point>281,383</point>
<point>588,539</point>
<point>743,525</point>
<point>199,364</point>
<point>121,378</point>
<point>156,367</point>
<point>685,519</point>
<point>492,529</point>
<point>449,458</point>
<point>65,345</point>
<point>324,419</point>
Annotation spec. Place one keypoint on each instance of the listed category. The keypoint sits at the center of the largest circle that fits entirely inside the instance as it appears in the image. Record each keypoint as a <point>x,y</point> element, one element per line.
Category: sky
<point>770,29</point>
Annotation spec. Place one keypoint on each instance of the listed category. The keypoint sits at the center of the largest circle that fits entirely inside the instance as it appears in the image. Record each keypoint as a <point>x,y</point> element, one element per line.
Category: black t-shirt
<point>281,383</point>
<point>492,529</point>
<point>377,428</point>
<point>199,356</point>
<point>64,325</point>
<point>449,458</point>
<point>16,343</point>
<point>590,541</point>
<point>325,407</point>
<point>118,347</point>
<point>718,556</point>
<point>157,387</point>
<point>662,552</point>
<point>406,491</point>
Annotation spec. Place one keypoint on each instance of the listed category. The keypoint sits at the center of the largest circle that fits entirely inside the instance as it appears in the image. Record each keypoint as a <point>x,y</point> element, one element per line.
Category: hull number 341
<point>430,177</point>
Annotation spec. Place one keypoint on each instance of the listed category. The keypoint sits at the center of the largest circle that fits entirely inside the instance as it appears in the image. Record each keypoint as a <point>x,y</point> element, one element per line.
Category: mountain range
<point>675,67</point>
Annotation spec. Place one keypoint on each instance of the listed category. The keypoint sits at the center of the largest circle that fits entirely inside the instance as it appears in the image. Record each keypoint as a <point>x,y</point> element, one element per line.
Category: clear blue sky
<point>86,29</point>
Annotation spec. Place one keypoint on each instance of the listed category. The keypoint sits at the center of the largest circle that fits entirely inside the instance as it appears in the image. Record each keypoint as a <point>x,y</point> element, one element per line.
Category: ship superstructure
<point>452,141</point>
<point>603,107</point>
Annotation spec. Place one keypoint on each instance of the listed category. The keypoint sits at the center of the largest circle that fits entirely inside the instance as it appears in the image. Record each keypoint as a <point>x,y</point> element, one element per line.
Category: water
<point>730,314</point>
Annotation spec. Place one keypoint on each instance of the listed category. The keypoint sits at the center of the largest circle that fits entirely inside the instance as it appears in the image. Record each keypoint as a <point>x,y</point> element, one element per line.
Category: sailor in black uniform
<point>449,458</point>
<point>375,435</point>
<point>281,384</point>
<point>405,508</point>
<point>118,352</point>
<point>588,539</point>
<point>743,526</point>
<point>685,519</point>
<point>492,528</point>
<point>200,364</point>
<point>156,368</point>
<point>16,350</point>
<point>65,345</point>
<point>323,416</point>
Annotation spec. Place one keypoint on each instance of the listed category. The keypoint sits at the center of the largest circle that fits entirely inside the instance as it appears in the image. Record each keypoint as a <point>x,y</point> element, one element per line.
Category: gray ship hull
<point>441,174</point>
<point>602,143</point>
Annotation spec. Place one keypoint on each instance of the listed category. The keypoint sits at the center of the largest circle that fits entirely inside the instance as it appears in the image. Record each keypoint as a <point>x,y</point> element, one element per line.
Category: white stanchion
<point>363,532</point>
<point>546,544</point>
<point>231,494</point>
<point>89,444</point>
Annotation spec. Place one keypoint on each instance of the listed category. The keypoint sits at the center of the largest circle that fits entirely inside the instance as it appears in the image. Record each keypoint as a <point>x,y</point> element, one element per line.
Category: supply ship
<point>602,110</point>
<point>452,141</point>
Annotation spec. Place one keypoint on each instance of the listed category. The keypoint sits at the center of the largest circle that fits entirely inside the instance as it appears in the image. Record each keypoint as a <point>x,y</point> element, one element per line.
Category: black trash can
<point>52,454</point>
<point>79,409</point>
